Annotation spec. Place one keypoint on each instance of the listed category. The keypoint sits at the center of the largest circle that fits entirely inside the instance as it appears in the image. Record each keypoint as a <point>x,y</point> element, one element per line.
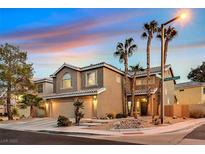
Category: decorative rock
<point>128,124</point>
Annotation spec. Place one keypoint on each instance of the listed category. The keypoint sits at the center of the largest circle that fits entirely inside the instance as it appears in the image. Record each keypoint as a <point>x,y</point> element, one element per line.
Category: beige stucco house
<point>190,93</point>
<point>100,87</point>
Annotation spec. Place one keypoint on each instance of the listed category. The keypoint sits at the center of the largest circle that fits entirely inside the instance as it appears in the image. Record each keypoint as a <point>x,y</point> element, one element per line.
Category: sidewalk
<point>49,124</point>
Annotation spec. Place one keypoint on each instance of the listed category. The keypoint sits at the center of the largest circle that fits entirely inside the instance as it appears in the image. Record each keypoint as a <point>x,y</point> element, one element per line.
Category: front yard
<point>131,123</point>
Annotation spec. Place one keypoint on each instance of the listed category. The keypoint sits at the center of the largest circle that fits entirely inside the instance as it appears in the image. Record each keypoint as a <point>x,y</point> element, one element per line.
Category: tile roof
<point>50,80</point>
<point>144,91</point>
<point>154,70</point>
<point>189,85</point>
<point>86,92</point>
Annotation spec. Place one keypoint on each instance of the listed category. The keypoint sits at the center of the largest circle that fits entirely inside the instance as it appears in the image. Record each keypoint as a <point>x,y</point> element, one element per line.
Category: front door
<point>143,107</point>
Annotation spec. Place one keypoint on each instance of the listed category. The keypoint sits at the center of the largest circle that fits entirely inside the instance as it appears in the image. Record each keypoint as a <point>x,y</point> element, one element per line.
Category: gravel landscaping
<point>131,123</point>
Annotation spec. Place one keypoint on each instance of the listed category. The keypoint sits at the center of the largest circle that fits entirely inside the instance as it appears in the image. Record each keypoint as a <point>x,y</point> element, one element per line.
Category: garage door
<point>64,108</point>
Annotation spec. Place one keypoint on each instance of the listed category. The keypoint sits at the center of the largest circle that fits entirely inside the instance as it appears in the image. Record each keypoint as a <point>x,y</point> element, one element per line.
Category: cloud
<point>83,32</point>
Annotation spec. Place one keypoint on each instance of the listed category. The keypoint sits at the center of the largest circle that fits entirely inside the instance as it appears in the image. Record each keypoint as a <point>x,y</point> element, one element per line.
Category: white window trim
<point>96,78</point>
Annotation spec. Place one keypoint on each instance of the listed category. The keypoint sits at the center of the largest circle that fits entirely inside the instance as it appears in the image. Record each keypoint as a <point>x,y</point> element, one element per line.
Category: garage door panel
<point>63,108</point>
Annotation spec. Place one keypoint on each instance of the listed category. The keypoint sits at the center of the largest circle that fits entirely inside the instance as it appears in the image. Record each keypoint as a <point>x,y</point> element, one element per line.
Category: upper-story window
<point>40,88</point>
<point>67,81</point>
<point>91,78</point>
<point>204,90</point>
<point>143,81</point>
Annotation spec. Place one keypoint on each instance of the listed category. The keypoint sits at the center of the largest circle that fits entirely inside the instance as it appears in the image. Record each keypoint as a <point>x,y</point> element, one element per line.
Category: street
<point>13,137</point>
<point>198,133</point>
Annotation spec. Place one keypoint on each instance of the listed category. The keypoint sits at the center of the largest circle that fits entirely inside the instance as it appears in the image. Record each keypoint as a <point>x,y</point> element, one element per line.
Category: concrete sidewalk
<point>49,124</point>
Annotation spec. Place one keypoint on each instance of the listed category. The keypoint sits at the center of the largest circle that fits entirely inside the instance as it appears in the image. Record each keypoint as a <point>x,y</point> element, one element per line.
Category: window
<point>138,82</point>
<point>143,81</point>
<point>91,78</point>
<point>67,81</point>
<point>181,90</point>
<point>204,90</point>
<point>40,88</point>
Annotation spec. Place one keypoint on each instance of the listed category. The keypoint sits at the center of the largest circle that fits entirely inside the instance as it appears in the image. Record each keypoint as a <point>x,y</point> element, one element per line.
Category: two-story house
<point>100,86</point>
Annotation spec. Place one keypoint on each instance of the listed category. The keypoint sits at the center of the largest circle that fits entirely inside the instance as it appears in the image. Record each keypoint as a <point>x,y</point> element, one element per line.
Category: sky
<point>82,37</point>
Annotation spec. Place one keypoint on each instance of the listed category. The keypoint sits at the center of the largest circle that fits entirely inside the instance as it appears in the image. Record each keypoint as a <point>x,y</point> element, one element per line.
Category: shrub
<point>111,115</point>
<point>78,104</point>
<point>15,112</point>
<point>63,121</point>
<point>197,114</point>
<point>23,117</point>
<point>120,115</point>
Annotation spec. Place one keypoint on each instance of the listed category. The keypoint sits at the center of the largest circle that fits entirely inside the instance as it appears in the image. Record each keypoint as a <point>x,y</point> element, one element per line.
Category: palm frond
<point>144,35</point>
<point>132,49</point>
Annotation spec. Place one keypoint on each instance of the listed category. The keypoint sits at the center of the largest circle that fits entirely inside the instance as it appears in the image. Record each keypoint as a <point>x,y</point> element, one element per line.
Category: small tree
<point>78,104</point>
<point>15,73</point>
<point>30,100</point>
<point>134,69</point>
<point>197,74</point>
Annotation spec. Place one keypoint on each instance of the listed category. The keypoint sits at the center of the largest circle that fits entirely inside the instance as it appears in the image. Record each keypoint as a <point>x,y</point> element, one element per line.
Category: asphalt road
<point>198,133</point>
<point>13,137</point>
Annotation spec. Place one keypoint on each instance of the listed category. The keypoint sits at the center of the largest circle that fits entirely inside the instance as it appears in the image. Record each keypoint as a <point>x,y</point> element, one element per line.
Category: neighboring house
<point>100,87</point>
<point>190,93</point>
<point>44,86</point>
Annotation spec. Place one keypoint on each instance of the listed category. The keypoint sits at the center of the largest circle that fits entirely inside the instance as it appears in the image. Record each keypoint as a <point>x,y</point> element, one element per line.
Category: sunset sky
<point>86,36</point>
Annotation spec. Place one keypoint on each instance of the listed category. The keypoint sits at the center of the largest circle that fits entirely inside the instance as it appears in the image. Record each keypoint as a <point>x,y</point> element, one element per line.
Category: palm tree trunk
<point>148,67</point>
<point>31,111</point>
<point>133,97</point>
<point>125,86</point>
<point>166,50</point>
<point>8,101</point>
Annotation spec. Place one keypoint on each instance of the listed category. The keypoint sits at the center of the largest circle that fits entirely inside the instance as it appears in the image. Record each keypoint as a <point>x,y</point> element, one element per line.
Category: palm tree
<point>123,51</point>
<point>135,68</point>
<point>30,100</point>
<point>149,30</point>
<point>169,34</point>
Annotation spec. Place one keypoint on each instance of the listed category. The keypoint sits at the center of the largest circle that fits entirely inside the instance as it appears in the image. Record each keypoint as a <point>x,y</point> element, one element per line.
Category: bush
<point>14,112</point>
<point>23,117</point>
<point>111,115</point>
<point>120,115</point>
<point>78,105</point>
<point>63,121</point>
<point>197,114</point>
